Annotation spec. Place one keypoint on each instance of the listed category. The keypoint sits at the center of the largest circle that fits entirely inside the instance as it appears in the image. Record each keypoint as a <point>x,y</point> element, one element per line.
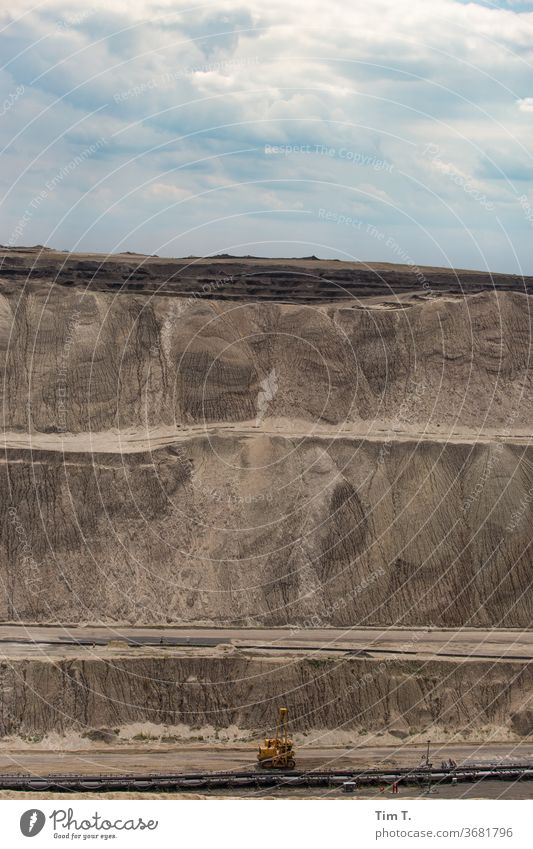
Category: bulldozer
<point>277,752</point>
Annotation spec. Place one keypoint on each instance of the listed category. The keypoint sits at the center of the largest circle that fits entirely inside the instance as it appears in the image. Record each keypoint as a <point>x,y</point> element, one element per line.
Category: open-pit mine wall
<point>349,697</point>
<point>194,450</point>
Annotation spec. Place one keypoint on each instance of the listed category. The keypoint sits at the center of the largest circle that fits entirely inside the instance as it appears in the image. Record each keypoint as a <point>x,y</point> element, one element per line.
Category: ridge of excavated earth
<point>155,476</point>
<point>77,360</point>
<point>245,530</point>
<point>240,690</point>
<point>308,280</point>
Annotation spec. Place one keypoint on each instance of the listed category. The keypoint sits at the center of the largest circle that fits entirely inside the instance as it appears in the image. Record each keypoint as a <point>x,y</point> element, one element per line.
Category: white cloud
<point>188,99</point>
<point>166,191</point>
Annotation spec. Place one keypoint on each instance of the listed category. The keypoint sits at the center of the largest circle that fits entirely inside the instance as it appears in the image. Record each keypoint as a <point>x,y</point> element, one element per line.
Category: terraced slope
<point>208,693</point>
<point>270,530</point>
<point>79,359</point>
<point>264,442</point>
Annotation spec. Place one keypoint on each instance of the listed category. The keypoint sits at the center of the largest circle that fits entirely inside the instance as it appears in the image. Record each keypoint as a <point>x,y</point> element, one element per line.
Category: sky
<point>397,130</point>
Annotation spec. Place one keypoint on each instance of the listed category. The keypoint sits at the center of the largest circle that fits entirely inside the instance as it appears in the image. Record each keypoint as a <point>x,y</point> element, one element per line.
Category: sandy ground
<point>131,440</point>
<point>459,406</point>
<point>53,640</point>
<point>206,758</point>
<point>194,758</point>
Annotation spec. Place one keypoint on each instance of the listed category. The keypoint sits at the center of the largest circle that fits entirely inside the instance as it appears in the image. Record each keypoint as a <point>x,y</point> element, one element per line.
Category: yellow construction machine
<point>277,752</point>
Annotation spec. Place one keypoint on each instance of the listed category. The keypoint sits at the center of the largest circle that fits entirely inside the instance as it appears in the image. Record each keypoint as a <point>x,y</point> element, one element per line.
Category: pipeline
<point>261,779</point>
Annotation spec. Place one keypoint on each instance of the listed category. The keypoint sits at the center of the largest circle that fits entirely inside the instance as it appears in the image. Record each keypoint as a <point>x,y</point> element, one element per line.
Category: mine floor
<point>43,640</point>
<point>206,757</point>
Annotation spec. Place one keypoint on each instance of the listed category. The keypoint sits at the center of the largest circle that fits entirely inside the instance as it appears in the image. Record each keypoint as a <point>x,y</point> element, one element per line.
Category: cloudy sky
<point>397,130</point>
